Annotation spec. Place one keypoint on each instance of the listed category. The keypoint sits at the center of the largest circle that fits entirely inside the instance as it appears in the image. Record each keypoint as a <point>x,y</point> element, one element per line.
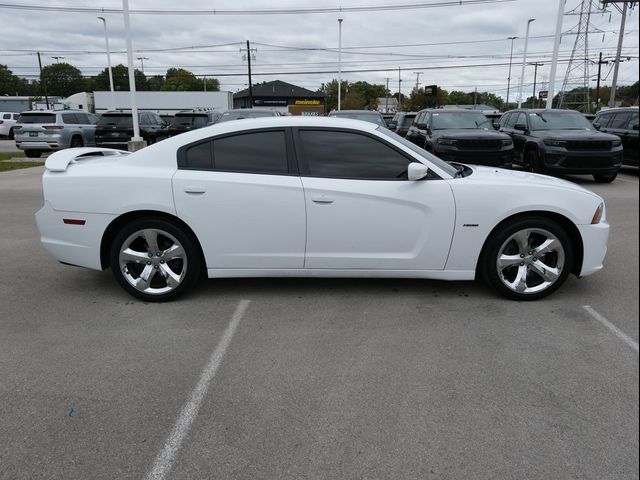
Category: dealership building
<point>282,97</point>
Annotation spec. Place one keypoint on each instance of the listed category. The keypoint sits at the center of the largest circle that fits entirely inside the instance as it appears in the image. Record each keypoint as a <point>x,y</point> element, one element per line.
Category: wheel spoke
<point>522,239</point>
<point>151,237</point>
<point>131,256</point>
<point>173,252</point>
<point>548,246</point>
<point>505,261</point>
<point>519,283</point>
<point>549,274</point>
<point>144,280</point>
<point>172,278</point>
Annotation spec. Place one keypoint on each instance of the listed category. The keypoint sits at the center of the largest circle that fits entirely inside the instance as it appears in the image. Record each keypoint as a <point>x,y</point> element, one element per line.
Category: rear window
<point>190,120</point>
<point>117,120</point>
<point>406,121</point>
<point>367,117</point>
<point>37,118</point>
<point>248,114</point>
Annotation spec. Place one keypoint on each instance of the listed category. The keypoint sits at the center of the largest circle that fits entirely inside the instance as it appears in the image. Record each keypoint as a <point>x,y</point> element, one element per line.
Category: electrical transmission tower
<point>575,88</point>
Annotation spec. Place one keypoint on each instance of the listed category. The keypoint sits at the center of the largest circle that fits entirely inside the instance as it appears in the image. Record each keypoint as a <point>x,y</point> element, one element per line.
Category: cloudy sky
<point>456,46</point>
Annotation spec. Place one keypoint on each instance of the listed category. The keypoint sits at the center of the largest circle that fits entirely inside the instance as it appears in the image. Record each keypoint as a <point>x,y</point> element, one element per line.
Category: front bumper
<point>490,158</point>
<point>594,247</point>
<point>563,161</point>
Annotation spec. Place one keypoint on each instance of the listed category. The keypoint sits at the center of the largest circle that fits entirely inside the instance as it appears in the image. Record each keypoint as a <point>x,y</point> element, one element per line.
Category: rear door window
<point>620,120</point>
<point>254,152</point>
<point>6,116</point>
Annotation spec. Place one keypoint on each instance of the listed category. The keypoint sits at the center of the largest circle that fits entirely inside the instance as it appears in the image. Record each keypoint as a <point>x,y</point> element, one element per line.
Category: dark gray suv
<point>622,122</point>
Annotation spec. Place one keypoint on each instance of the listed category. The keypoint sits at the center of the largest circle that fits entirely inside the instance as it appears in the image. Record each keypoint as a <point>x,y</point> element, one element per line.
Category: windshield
<point>367,117</point>
<point>226,116</point>
<point>451,170</point>
<point>448,120</point>
<point>189,120</point>
<point>117,120</point>
<point>559,121</point>
<point>37,118</point>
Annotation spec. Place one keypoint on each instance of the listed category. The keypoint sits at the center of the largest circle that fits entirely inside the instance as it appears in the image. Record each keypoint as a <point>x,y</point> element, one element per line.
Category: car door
<point>88,129</point>
<point>242,196</point>
<point>517,135</point>
<point>363,212</point>
<point>413,134</point>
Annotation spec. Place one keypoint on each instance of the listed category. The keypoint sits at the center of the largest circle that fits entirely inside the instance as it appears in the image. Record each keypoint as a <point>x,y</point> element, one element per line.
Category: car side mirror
<point>596,126</point>
<point>421,126</point>
<point>496,125</point>
<point>417,171</point>
<point>520,126</point>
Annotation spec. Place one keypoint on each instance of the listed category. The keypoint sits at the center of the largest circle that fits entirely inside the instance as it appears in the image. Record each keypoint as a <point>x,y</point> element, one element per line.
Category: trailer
<point>162,103</point>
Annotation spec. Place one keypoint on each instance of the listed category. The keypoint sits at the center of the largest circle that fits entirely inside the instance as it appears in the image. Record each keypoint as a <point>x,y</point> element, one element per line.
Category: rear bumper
<point>73,244</point>
<point>594,246</point>
<point>40,145</point>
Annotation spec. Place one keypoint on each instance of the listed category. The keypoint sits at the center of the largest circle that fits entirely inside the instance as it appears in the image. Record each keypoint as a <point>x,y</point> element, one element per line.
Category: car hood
<point>470,133</point>
<point>573,135</point>
<point>495,176</point>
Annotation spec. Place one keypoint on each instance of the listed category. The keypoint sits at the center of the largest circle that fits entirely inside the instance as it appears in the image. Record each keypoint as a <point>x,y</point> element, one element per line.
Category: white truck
<point>162,103</point>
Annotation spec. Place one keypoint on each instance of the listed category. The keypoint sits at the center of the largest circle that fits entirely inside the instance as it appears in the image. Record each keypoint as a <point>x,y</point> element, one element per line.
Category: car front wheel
<point>528,259</point>
<point>154,260</point>
<point>605,178</point>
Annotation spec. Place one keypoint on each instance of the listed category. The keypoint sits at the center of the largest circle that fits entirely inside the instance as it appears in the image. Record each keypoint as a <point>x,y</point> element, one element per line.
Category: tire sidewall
<point>194,258</point>
<point>497,239</point>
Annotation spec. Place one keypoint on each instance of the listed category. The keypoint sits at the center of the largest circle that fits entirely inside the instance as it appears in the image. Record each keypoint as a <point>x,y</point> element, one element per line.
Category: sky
<point>456,46</point>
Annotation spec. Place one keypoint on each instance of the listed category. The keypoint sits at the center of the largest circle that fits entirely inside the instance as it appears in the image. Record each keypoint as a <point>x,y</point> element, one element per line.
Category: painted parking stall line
<point>164,460</point>
<point>616,331</point>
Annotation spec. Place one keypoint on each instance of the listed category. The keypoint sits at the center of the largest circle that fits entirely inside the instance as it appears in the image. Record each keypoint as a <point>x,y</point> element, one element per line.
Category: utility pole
<point>509,77</point>
<point>475,97</point>
<point>399,92</point>
<point>142,59</point>
<point>600,63</point>
<point>614,82</point>
<point>249,51</point>
<point>340,63</point>
<point>43,82</point>
<point>418,79</point>
<point>535,77</point>
<point>386,99</point>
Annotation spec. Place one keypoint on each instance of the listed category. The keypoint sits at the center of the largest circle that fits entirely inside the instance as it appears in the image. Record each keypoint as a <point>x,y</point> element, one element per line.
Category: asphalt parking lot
<point>315,378</point>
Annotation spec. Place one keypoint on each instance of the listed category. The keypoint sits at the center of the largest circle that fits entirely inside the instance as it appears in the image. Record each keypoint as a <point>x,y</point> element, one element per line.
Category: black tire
<point>500,242</point>
<point>76,142</point>
<point>188,269</point>
<point>605,178</point>
<point>33,153</point>
<point>532,161</point>
<point>11,133</point>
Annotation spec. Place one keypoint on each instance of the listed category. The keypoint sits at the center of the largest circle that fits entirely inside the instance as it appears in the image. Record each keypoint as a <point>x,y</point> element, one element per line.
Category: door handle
<point>322,199</point>
<point>194,189</point>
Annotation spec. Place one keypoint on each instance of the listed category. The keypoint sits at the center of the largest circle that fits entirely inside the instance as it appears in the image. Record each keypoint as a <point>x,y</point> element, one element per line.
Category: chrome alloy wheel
<point>530,261</point>
<point>153,261</point>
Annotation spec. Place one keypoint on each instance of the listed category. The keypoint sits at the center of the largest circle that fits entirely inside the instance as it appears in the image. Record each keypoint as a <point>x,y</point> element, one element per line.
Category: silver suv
<point>47,130</point>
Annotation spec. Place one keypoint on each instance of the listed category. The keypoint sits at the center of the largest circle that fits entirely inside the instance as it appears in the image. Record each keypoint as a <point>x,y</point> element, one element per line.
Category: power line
<point>250,12</point>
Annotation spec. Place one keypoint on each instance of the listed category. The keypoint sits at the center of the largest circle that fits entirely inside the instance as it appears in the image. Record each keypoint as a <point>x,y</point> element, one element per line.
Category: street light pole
<point>106,41</point>
<point>535,77</point>
<point>614,82</point>
<point>339,63</point>
<point>136,142</point>
<point>57,58</point>
<point>509,77</point>
<point>556,48</point>
<point>142,59</point>
<point>524,61</point>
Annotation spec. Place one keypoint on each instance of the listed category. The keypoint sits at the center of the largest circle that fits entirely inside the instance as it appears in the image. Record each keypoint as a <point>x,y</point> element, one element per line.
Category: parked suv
<point>622,122</point>
<point>401,122</point>
<point>41,131</point>
<point>7,121</point>
<point>241,113</point>
<point>115,129</point>
<point>192,119</point>
<point>563,142</point>
<point>465,136</point>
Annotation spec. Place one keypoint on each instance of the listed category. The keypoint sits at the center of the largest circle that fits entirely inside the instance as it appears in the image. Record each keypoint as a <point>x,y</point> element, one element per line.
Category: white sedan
<point>312,197</point>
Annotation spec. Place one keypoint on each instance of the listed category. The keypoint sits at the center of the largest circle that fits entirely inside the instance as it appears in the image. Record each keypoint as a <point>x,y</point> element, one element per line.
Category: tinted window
<point>367,117</point>
<point>118,120</point>
<point>199,156</point>
<point>520,119</point>
<point>559,121</point>
<point>633,122</point>
<point>448,120</point>
<point>620,120</point>
<point>603,120</point>
<point>238,115</point>
<point>69,118</point>
<point>407,120</point>
<point>258,152</point>
<point>37,118</point>
<point>6,116</point>
<point>190,120</point>
<point>338,154</point>
<point>504,119</point>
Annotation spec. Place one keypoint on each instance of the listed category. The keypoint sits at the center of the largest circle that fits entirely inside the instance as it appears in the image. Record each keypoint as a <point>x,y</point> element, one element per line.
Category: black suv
<point>562,142</point>
<point>192,119</point>
<point>115,129</point>
<point>401,122</point>
<point>622,122</point>
<point>465,136</point>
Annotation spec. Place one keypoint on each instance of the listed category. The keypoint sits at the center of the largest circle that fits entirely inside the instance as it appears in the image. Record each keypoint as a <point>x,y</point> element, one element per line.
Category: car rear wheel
<point>605,178</point>
<point>533,162</point>
<point>76,142</point>
<point>11,133</point>
<point>33,153</point>
<point>154,260</point>
<point>528,259</point>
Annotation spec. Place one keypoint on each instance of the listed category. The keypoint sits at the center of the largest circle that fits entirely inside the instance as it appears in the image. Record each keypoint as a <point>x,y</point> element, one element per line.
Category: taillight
<point>1,122</point>
<point>52,127</point>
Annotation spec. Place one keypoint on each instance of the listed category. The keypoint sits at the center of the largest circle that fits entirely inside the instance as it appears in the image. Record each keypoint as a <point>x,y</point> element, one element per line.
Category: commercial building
<point>282,97</point>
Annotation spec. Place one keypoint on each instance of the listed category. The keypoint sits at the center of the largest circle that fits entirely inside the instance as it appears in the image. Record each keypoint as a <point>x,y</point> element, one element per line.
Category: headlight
<point>446,141</point>
<point>507,143</point>
<point>555,143</point>
<point>616,143</point>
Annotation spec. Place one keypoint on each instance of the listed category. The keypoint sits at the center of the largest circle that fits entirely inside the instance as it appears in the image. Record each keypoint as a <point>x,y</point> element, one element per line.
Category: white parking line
<point>164,461</point>
<point>618,333</point>
<point>626,180</point>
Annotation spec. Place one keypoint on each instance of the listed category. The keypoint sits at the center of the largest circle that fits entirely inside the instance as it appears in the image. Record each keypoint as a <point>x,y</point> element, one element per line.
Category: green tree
<point>213,84</point>
<point>457,97</point>
<point>330,91</point>
<point>353,100</point>
<point>62,79</point>
<point>120,79</point>
<point>181,80</point>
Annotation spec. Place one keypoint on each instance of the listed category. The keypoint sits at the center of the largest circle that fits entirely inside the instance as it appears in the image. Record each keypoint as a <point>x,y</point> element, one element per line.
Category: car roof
<point>619,109</point>
<point>38,112</point>
<point>366,112</point>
